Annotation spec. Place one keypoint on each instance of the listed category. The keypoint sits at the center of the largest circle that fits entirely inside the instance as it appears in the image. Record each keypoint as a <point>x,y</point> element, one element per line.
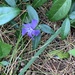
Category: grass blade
<point>40,51</point>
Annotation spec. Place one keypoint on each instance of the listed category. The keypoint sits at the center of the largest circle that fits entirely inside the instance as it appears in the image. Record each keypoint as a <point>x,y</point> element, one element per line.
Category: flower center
<point>29,29</point>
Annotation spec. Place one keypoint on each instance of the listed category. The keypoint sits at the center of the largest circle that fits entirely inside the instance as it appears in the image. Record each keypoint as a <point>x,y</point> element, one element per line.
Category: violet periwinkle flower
<point>30,30</point>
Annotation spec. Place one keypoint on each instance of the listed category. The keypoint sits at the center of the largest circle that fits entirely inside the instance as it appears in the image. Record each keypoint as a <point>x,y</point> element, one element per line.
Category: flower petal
<point>30,34</point>
<point>24,31</point>
<point>26,25</point>
<point>34,23</point>
<point>36,32</point>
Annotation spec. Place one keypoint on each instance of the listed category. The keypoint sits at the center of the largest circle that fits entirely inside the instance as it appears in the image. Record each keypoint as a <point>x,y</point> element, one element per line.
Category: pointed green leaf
<point>36,41</point>
<point>4,49</point>
<point>32,13</point>
<point>47,29</point>
<point>7,14</point>
<point>72,7</point>
<point>59,10</point>
<point>72,15</point>
<point>11,2</point>
<point>38,3</point>
<point>65,28</point>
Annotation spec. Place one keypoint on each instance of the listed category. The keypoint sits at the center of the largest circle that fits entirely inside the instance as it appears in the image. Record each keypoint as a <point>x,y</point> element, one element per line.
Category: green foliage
<point>38,3</point>
<point>72,7</point>
<point>59,10</point>
<point>61,54</point>
<point>54,1</point>
<point>14,24</point>
<point>73,23</point>
<point>4,49</point>
<point>11,2</point>
<point>7,14</point>
<point>32,13</point>
<point>4,63</point>
<point>47,29</point>
<point>24,18</point>
<point>36,41</point>
<point>72,52</point>
<point>72,15</point>
<point>65,28</point>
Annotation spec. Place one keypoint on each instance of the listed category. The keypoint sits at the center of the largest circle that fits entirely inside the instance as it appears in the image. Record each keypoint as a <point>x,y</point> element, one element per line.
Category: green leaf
<point>4,49</point>
<point>1,53</point>
<point>4,63</point>
<point>32,13</point>
<point>54,1</point>
<point>38,3</point>
<point>11,2</point>
<point>61,54</point>
<point>72,52</point>
<point>65,28</point>
<point>23,17</point>
<point>72,21</point>
<point>72,7</point>
<point>54,53</point>
<point>73,24</point>
<point>7,14</point>
<point>47,29</point>
<point>36,41</point>
<point>72,15</point>
<point>59,10</point>
<point>14,24</point>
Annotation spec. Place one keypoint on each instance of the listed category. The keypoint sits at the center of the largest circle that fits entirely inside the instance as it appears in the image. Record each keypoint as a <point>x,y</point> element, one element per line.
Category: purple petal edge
<point>34,23</point>
<point>36,32</point>
<point>23,31</point>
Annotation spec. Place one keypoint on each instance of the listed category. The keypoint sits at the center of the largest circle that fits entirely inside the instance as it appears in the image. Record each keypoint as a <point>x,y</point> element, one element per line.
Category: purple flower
<point>30,30</point>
